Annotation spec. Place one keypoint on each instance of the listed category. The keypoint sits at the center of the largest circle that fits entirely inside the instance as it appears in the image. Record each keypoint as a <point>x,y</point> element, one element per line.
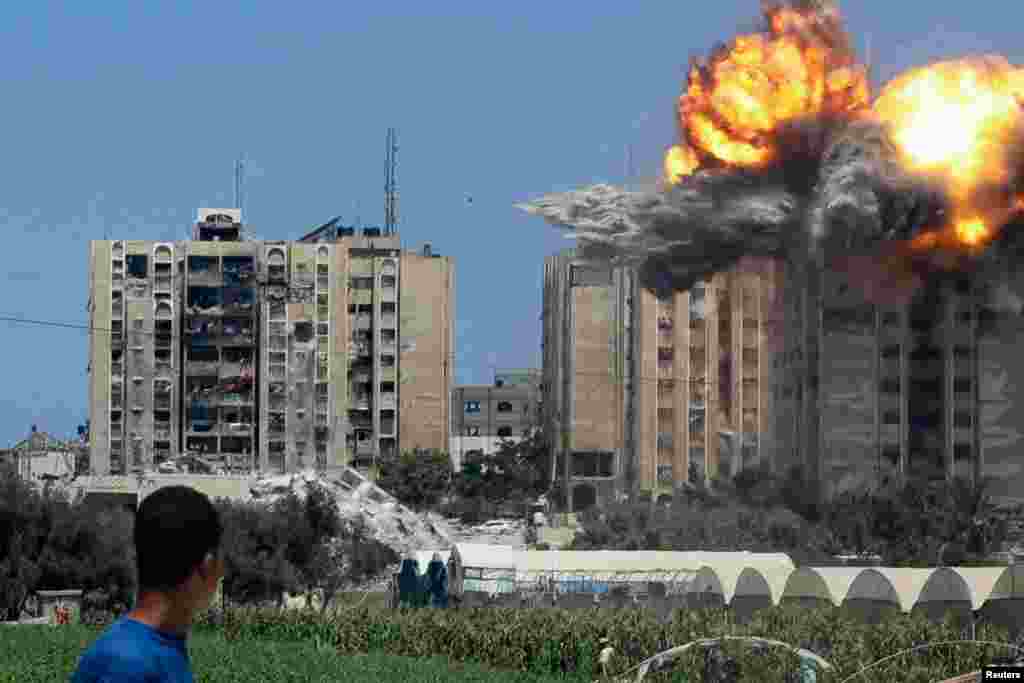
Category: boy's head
<point>177,545</point>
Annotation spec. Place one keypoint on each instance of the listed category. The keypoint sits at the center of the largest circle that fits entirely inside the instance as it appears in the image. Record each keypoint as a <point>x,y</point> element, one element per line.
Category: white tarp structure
<point>499,569</point>
<point>770,578</point>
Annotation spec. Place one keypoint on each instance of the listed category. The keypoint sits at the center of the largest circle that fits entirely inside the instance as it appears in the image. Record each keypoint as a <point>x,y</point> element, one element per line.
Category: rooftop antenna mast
<point>239,181</point>
<point>390,183</point>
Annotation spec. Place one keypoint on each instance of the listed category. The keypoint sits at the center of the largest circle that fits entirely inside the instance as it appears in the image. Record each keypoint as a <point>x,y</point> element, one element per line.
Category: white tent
<point>765,577</point>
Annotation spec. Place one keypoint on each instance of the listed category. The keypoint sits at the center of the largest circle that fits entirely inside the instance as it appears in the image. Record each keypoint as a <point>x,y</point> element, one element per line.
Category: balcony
<point>210,277</point>
<point>199,368</point>
<point>163,341</point>
<point>237,428</point>
<point>363,322</point>
<point>236,399</point>
<point>162,283</point>
<point>243,308</point>
<point>362,377</point>
<point>388,346</point>
<point>358,350</point>
<point>388,401</point>
<point>388,321</point>
<point>202,426</point>
<point>364,448</point>
<point>360,402</point>
<point>359,422</point>
<point>387,427</point>
<point>163,369</point>
<point>162,431</point>
<point>229,370</point>
<point>116,430</point>
<point>116,401</point>
<point>323,282</point>
<point>276,372</point>
<point>665,440</point>
<point>162,402</point>
<point>236,333</point>
<point>117,368</point>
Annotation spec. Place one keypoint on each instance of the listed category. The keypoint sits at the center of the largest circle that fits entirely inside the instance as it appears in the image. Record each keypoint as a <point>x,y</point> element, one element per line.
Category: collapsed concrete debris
<point>359,499</point>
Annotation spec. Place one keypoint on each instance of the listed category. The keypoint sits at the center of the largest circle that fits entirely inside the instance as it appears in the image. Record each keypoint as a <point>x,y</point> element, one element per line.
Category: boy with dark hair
<point>177,554</point>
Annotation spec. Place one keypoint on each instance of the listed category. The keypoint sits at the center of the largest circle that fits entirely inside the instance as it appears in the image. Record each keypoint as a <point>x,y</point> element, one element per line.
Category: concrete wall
<point>1002,405</point>
<point>426,311</point>
<point>100,361</point>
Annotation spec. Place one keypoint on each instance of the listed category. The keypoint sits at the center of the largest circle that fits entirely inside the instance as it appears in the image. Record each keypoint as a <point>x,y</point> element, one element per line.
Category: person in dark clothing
<point>179,566</point>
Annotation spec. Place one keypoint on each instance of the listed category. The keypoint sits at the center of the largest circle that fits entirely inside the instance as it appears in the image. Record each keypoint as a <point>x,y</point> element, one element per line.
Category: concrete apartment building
<point>484,416</point>
<point>266,356</point>
<point>638,389</point>
<point>911,392</point>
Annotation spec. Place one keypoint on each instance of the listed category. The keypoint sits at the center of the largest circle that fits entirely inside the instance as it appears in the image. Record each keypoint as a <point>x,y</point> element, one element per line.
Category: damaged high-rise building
<point>866,394</point>
<point>245,355</point>
<point>644,392</point>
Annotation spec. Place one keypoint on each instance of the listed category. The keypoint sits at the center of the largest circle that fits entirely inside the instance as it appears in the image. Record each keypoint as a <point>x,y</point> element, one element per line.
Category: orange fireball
<point>735,105</point>
<point>954,121</point>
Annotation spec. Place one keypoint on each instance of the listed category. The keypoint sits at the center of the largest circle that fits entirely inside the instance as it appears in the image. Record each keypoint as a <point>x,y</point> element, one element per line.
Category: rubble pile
<point>359,499</point>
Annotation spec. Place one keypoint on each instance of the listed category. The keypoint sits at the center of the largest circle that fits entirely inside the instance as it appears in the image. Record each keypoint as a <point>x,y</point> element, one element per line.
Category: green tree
<point>418,478</point>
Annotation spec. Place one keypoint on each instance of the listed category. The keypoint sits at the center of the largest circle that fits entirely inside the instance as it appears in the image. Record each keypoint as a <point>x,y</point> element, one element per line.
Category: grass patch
<point>37,654</point>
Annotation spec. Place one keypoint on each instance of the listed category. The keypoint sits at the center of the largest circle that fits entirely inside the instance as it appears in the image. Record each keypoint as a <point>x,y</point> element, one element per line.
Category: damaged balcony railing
<point>203,368</point>
<point>237,332</point>
<point>202,426</point>
<point>204,270</point>
<point>238,300</point>
<point>240,427</point>
<point>236,398</point>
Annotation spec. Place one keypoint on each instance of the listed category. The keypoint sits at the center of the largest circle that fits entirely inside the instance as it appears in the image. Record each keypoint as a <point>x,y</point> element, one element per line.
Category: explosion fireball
<point>782,153</point>
<point>736,104</point>
<point>958,122</point>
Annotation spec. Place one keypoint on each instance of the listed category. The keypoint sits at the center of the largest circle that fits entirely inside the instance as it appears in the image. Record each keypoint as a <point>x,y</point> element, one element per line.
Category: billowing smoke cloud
<point>842,186</point>
<point>846,199</point>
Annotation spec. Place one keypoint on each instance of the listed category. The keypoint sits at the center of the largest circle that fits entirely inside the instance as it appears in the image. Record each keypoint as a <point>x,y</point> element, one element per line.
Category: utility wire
<point>616,377</point>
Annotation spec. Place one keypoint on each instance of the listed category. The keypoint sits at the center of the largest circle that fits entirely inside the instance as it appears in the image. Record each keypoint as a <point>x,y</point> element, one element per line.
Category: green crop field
<point>38,654</point>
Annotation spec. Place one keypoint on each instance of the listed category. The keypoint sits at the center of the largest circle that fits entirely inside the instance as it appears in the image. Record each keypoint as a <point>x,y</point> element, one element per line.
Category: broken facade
<point>268,356</point>
<point>646,392</point>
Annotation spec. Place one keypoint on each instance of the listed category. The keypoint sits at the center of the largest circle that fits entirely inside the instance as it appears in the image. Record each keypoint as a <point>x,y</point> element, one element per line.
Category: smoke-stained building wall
<point>638,388</point>
<point>588,373</point>
<point>900,392</point>
<point>264,356</point>
<point>704,389</point>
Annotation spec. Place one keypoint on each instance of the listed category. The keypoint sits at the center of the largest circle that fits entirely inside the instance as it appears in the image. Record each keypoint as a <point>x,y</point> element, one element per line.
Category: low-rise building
<point>484,416</point>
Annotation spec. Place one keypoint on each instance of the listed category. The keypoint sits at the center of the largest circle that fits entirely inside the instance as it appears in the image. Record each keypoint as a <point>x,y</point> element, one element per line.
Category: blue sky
<point>127,116</point>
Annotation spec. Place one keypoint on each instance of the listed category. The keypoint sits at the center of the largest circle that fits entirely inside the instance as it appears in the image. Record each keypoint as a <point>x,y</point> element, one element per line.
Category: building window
<point>472,407</point>
<point>504,407</point>
<point>504,432</point>
<point>362,283</point>
<point>138,266</point>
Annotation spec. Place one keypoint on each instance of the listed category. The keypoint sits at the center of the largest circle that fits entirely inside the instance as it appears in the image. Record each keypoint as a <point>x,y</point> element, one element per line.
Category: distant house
<point>41,457</point>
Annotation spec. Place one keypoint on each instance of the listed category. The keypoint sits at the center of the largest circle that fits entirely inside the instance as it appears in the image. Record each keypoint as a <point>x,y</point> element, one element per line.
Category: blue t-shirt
<point>132,652</point>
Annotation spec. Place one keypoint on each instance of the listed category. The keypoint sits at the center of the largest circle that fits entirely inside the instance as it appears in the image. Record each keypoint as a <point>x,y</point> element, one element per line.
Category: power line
<point>615,377</point>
